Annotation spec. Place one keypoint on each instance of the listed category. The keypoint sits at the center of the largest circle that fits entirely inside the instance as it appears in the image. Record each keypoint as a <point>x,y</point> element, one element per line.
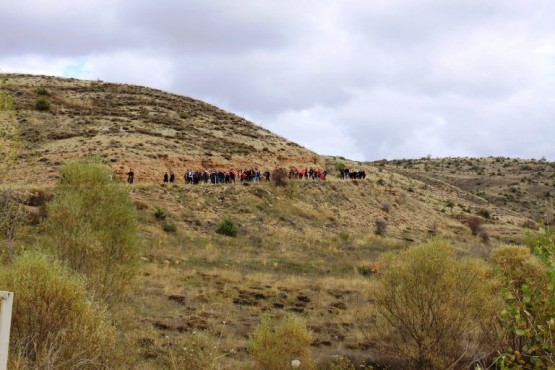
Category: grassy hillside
<point>148,130</point>
<point>524,187</point>
<point>310,248</point>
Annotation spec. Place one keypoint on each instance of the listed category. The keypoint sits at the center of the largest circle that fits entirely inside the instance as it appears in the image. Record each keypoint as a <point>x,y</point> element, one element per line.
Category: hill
<point>309,247</point>
<point>145,129</point>
<point>512,185</point>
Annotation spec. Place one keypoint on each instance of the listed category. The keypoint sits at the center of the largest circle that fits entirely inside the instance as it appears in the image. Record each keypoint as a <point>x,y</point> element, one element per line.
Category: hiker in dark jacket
<point>130,176</point>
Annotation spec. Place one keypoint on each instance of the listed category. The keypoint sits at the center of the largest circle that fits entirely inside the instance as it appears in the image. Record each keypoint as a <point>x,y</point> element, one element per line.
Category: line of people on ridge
<point>227,177</point>
<point>231,176</point>
<point>347,174</point>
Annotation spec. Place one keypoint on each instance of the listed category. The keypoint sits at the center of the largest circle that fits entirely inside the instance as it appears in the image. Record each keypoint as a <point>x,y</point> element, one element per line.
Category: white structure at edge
<point>6,304</point>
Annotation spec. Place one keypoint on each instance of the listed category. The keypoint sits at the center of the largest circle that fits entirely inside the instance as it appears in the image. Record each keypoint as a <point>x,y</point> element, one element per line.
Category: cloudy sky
<point>363,79</point>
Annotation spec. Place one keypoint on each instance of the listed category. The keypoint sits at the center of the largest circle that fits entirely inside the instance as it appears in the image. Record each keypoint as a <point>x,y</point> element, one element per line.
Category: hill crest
<point>149,130</point>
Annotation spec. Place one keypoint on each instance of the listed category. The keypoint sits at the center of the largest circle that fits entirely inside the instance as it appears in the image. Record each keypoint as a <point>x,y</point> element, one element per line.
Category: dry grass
<point>303,252</point>
<point>307,248</point>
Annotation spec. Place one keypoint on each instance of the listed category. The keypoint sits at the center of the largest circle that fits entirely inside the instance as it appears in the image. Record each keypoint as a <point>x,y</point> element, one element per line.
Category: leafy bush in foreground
<point>432,311</point>
<point>54,324</point>
<point>92,228</point>
<point>529,291</point>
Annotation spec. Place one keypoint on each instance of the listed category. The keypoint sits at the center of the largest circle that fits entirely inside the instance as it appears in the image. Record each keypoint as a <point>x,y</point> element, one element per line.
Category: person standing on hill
<point>130,176</point>
<point>172,177</point>
<point>166,178</point>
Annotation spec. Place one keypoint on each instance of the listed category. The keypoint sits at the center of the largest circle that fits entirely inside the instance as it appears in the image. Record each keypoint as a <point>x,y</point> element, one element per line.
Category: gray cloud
<point>367,80</point>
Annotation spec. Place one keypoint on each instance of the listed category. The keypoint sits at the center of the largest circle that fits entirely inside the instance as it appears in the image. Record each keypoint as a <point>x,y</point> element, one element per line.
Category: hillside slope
<point>135,127</point>
<point>155,132</point>
<point>309,247</point>
<point>517,186</point>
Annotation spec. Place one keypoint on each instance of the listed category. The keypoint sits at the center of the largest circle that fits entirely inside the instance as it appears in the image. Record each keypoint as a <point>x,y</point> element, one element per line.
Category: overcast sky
<point>363,79</point>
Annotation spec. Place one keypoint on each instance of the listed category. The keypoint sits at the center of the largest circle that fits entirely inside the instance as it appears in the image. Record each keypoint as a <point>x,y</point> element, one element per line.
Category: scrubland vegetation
<point>90,295</point>
<point>404,270</point>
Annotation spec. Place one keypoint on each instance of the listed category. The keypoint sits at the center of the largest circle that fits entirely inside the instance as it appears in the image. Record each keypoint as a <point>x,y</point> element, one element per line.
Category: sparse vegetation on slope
<point>309,248</point>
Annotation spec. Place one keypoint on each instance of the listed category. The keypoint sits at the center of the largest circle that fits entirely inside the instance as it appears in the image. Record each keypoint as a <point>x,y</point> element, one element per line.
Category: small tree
<point>273,346</point>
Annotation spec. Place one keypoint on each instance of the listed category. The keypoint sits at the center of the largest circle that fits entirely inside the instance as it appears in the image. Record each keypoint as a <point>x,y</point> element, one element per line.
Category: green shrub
<point>344,236</point>
<point>54,323</point>
<point>529,291</point>
<point>160,213</point>
<point>364,270</point>
<point>42,105</point>
<point>183,114</point>
<point>273,346</point>
<point>169,227</point>
<point>6,102</point>
<point>432,311</point>
<point>228,227</point>
<point>92,227</point>
<point>484,213</point>
<point>42,91</point>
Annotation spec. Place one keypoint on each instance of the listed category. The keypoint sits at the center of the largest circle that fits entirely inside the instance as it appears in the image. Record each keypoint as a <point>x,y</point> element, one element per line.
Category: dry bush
<point>432,311</point>
<point>484,236</point>
<point>380,226</point>
<point>92,227</point>
<point>280,177</point>
<point>475,224</point>
<point>54,324</point>
<point>273,346</point>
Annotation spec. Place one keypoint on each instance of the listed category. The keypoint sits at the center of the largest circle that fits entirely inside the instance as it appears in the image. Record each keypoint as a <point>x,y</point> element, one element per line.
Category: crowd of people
<point>252,175</point>
<point>348,174</point>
